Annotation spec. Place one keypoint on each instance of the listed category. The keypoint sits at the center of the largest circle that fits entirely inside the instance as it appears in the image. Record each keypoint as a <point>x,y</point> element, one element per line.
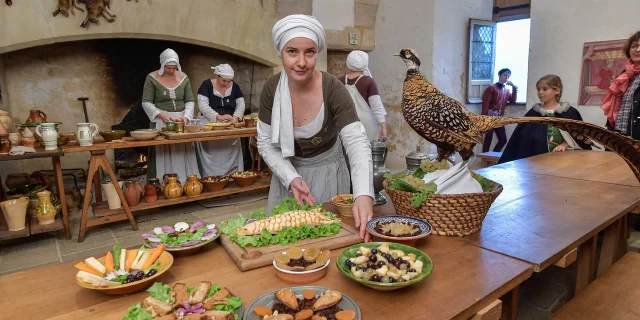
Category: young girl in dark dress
<point>531,139</point>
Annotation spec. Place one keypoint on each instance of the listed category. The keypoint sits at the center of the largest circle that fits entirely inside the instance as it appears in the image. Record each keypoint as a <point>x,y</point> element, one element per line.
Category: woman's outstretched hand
<point>301,192</point>
<point>362,213</point>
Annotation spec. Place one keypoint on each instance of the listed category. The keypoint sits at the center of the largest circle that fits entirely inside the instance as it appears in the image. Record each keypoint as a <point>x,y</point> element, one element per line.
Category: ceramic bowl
<point>144,134</point>
<point>192,128</point>
<point>239,125</point>
<point>245,181</point>
<point>207,128</point>
<point>111,135</point>
<point>214,186</point>
<point>424,226</point>
<point>350,252</point>
<point>345,209</point>
<point>301,277</point>
<point>165,259</point>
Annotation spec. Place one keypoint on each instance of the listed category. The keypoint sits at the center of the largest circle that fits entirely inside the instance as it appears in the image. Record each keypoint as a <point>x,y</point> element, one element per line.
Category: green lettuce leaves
<point>182,237</point>
<point>137,313</point>
<point>160,291</point>
<point>284,237</point>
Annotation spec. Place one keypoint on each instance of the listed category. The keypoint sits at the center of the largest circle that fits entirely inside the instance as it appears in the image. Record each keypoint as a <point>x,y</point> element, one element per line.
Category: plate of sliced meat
<point>304,302</point>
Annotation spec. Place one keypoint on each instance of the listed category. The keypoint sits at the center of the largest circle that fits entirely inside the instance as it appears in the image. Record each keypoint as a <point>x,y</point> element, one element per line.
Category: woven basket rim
<point>497,189</point>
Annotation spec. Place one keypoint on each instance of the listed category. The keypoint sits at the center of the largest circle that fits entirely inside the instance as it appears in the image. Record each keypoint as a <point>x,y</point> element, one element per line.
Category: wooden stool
<point>489,158</point>
<point>614,295</point>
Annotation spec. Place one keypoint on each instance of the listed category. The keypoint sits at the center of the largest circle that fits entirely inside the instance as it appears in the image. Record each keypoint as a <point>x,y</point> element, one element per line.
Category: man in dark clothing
<point>494,100</point>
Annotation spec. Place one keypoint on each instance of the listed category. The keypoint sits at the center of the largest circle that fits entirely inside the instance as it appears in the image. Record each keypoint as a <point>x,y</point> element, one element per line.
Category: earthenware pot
<point>36,116</point>
<point>192,187</point>
<point>165,179</point>
<point>6,121</point>
<point>16,180</point>
<point>151,193</point>
<point>15,213</point>
<point>131,193</point>
<point>173,189</point>
<point>15,138</point>
<point>5,144</point>
<point>46,211</point>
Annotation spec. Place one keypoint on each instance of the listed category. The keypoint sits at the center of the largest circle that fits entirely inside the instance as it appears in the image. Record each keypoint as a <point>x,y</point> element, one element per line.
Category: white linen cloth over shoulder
<point>293,26</point>
<point>359,61</point>
<point>169,57</point>
<point>223,70</point>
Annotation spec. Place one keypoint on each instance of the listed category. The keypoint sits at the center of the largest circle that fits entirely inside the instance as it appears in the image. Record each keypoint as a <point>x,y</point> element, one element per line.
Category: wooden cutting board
<point>202,134</point>
<point>252,258</point>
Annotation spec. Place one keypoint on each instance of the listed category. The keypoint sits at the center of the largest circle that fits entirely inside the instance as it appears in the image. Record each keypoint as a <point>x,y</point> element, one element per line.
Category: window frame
<point>475,88</point>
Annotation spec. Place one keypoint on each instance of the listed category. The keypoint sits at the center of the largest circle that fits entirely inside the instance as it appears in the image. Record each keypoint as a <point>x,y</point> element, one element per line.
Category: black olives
<point>376,278</point>
<point>358,254</point>
<point>411,270</point>
<point>371,265</point>
<point>348,263</point>
<point>380,264</point>
<point>373,258</point>
<point>374,251</point>
<point>151,272</point>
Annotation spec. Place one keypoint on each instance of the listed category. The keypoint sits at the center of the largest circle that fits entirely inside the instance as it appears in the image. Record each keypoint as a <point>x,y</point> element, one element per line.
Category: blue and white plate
<point>424,226</point>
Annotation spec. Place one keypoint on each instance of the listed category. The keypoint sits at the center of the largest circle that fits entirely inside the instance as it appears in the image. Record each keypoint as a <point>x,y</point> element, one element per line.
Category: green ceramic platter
<point>350,252</point>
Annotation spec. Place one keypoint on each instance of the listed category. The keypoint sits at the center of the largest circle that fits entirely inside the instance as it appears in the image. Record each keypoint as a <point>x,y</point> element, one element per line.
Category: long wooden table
<point>32,226</point>
<point>100,160</point>
<point>597,166</point>
<point>465,279</point>
<point>539,218</point>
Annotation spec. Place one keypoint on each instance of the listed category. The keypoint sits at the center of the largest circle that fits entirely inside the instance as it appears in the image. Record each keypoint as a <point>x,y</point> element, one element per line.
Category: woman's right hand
<point>224,117</point>
<point>163,117</point>
<point>301,191</point>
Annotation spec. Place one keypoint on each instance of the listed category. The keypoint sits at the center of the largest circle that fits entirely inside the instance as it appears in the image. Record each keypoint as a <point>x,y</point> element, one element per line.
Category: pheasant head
<point>410,58</point>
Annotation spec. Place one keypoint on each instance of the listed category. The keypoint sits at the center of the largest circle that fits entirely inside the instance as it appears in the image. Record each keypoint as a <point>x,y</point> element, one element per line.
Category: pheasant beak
<point>396,54</point>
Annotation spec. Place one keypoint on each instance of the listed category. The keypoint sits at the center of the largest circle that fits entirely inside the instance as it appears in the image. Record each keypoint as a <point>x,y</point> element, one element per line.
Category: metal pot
<point>379,156</point>
<point>414,159</point>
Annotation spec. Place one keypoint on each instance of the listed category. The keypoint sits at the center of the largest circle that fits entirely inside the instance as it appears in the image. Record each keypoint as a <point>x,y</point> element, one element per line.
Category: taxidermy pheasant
<point>449,125</point>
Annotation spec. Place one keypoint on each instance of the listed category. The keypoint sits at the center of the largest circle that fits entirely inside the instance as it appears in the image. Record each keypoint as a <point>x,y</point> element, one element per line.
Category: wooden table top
<point>99,145</point>
<point>597,166</point>
<point>614,295</point>
<point>465,279</point>
<point>539,218</point>
<point>40,153</point>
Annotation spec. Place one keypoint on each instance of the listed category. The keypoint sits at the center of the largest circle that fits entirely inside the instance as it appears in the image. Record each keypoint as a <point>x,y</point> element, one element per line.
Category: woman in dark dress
<point>220,100</point>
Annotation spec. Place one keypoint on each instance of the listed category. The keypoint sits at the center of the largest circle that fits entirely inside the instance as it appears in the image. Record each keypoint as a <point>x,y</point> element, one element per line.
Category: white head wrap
<point>359,61</point>
<point>293,26</point>
<point>223,70</point>
<point>169,58</point>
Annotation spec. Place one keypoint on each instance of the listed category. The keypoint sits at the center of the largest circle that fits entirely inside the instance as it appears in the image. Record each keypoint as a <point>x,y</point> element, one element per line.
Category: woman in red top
<point>494,101</point>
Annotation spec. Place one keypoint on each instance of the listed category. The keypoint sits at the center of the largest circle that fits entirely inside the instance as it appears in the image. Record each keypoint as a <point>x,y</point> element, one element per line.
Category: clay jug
<point>46,211</point>
<point>131,193</point>
<point>173,189</point>
<point>5,144</point>
<point>192,187</point>
<point>49,135</point>
<point>155,182</point>
<point>6,121</point>
<point>36,116</point>
<point>15,213</point>
<point>165,180</point>
<point>151,193</point>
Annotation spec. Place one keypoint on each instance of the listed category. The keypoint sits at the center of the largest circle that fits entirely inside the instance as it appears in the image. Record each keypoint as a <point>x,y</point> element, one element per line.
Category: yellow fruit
<point>311,254</point>
<point>294,253</point>
<point>282,259</point>
<point>323,256</point>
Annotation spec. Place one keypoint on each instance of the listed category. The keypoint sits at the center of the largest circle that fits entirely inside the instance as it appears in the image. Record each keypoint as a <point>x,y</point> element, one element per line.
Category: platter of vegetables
<point>123,271</point>
<point>182,238</point>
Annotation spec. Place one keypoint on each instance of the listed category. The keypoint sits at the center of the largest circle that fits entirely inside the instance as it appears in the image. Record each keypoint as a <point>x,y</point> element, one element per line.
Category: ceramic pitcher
<point>36,116</point>
<point>192,187</point>
<point>173,189</point>
<point>132,193</point>
<point>49,135</point>
<point>15,212</point>
<point>86,132</point>
<point>46,211</point>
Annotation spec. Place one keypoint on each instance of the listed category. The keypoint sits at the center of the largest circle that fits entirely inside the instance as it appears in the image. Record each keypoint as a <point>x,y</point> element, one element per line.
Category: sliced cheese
<point>93,263</point>
<point>123,258</point>
<point>141,261</point>
<point>88,277</point>
<point>137,259</point>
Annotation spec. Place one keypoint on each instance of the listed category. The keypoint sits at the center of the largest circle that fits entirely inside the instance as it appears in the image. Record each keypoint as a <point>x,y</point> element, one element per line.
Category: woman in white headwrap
<point>365,94</point>
<point>305,115</point>
<point>167,95</point>
<point>220,100</point>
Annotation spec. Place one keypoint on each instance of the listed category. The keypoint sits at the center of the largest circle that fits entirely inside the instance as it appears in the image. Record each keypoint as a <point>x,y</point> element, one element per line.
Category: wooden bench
<point>489,158</point>
<point>614,295</point>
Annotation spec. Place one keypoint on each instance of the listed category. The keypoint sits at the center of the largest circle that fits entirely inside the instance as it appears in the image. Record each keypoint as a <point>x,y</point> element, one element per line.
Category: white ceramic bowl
<point>144,134</point>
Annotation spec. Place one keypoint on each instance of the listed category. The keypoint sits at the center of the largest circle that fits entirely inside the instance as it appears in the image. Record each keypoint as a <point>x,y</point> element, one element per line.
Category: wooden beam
<point>492,312</point>
<point>567,259</point>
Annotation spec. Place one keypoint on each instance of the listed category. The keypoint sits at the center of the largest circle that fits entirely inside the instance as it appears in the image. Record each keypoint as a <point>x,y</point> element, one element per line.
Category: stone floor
<point>540,295</point>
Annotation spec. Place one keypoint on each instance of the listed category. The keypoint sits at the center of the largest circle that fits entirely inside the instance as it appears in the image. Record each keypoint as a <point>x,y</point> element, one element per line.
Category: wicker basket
<point>449,214</point>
